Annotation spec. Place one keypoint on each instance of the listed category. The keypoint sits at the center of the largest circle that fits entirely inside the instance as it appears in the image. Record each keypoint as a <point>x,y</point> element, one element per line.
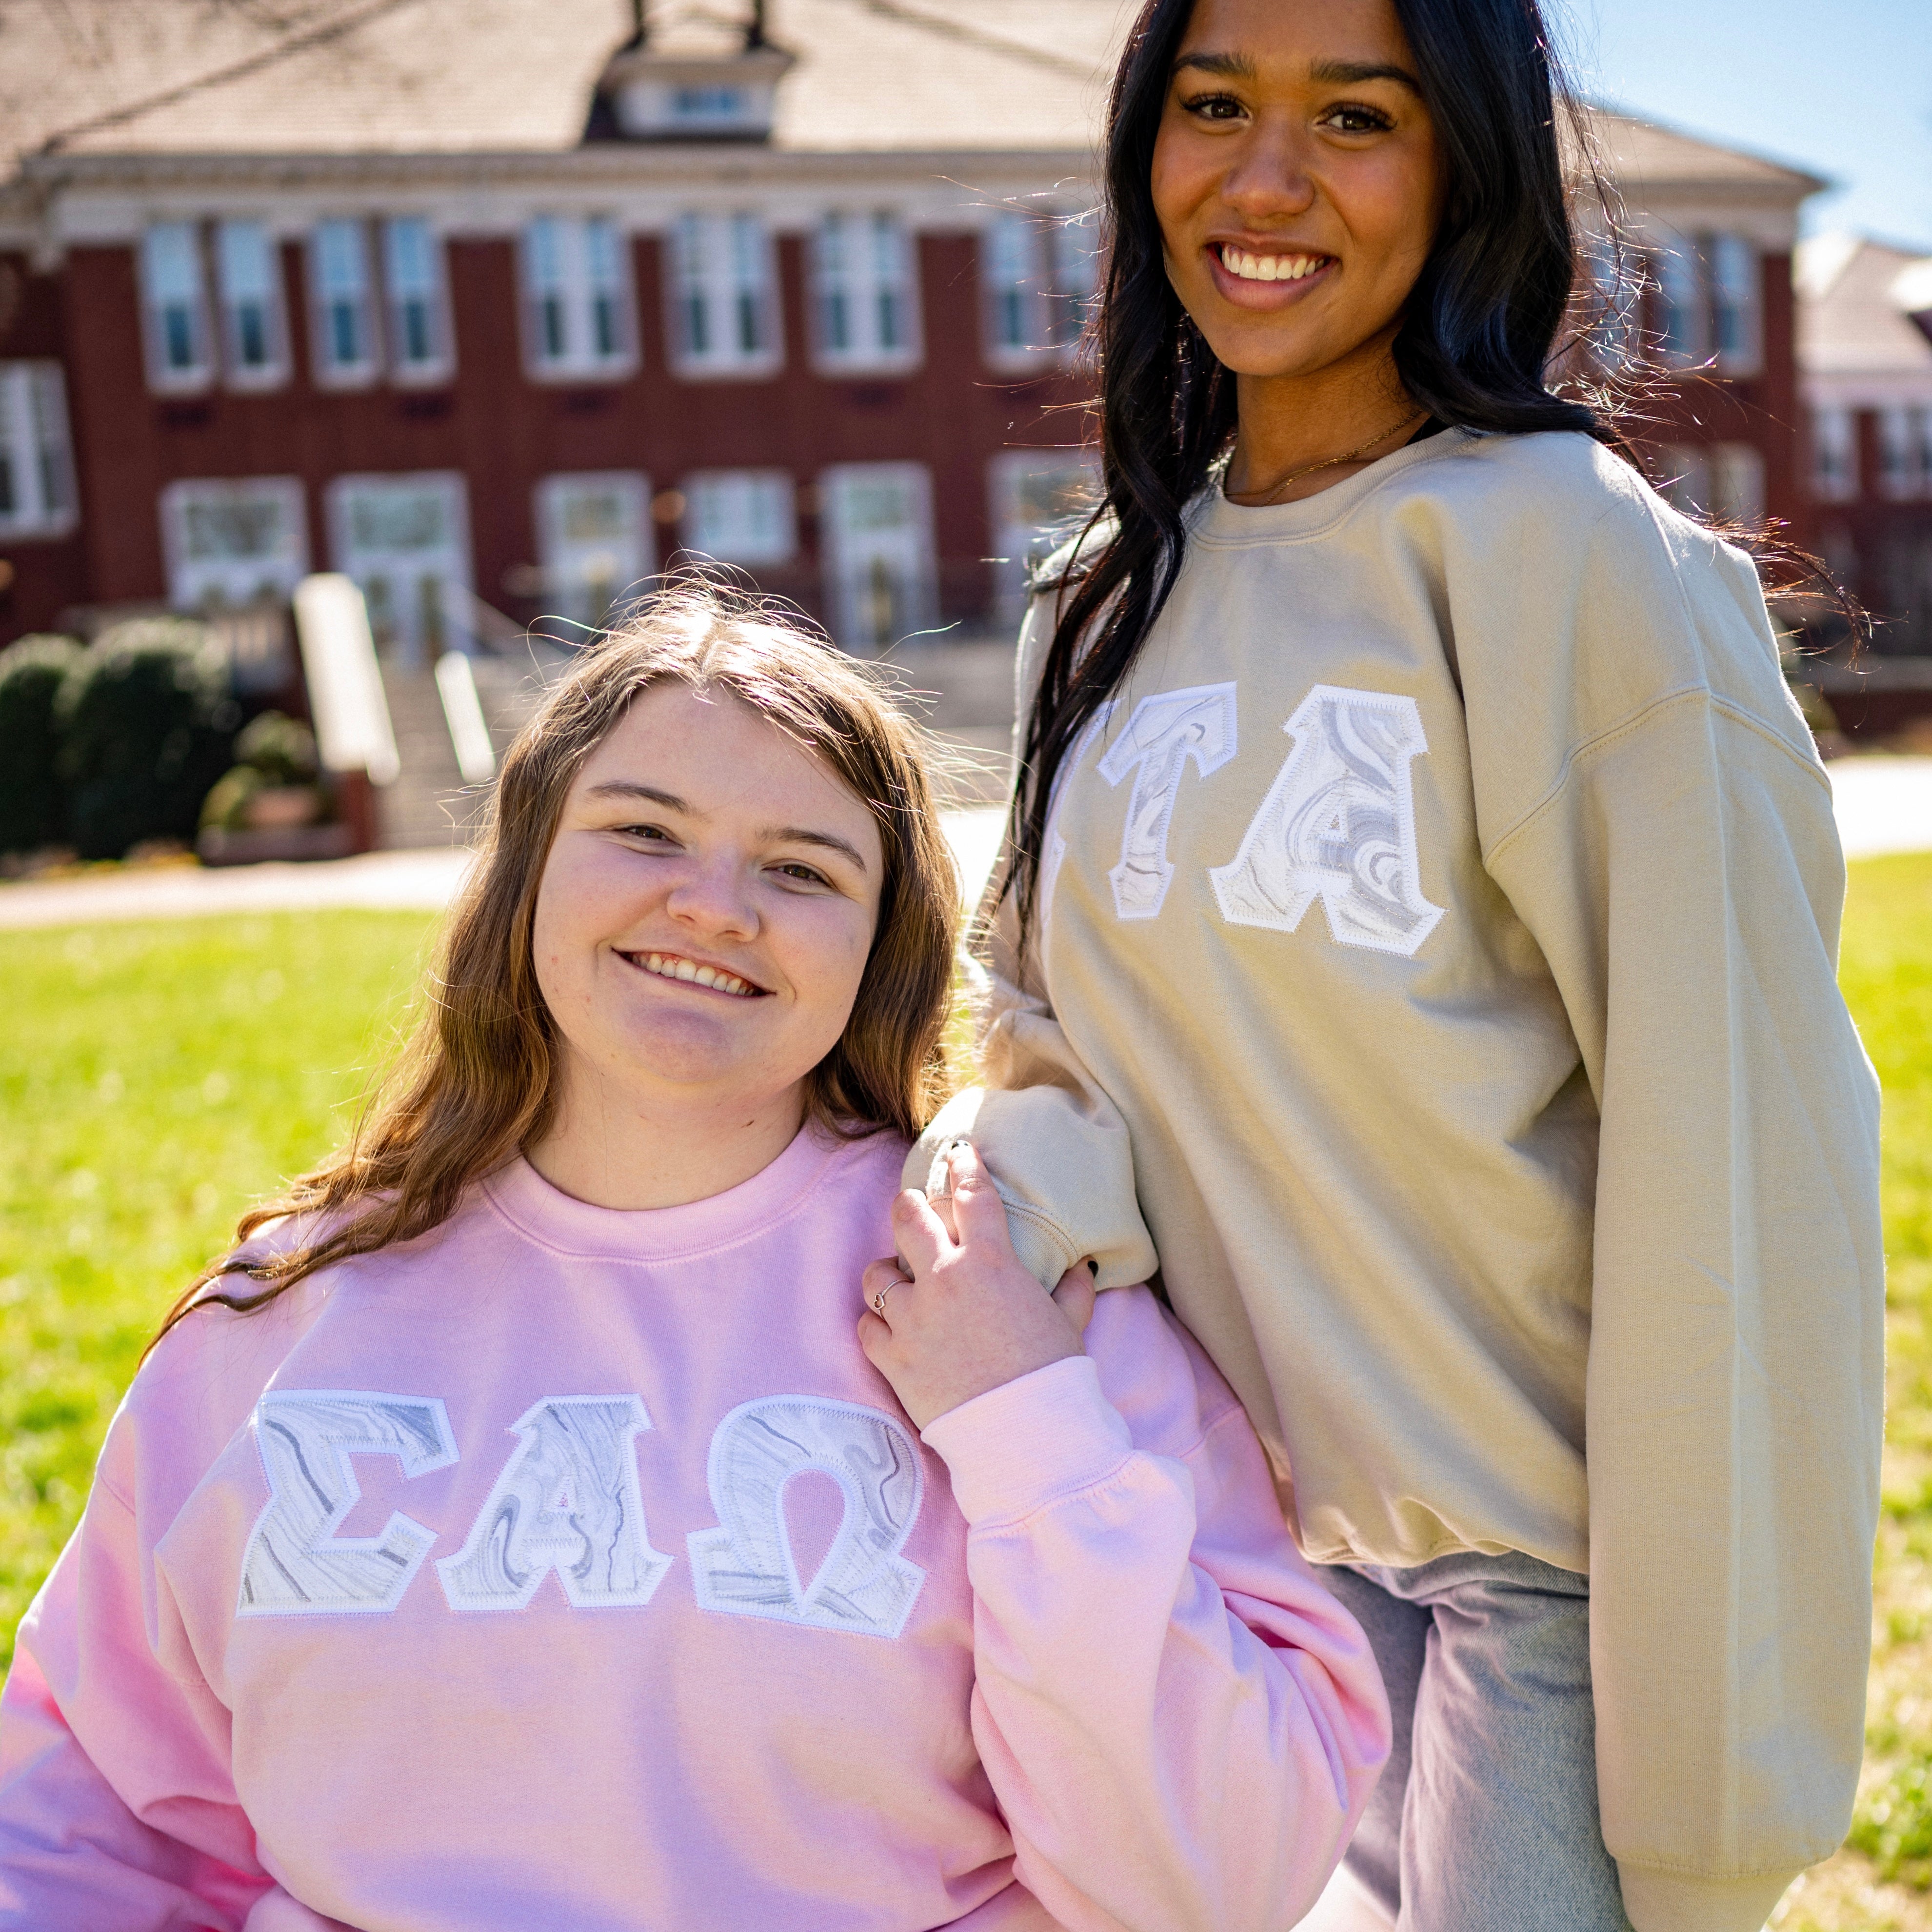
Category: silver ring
<point>879,1301</point>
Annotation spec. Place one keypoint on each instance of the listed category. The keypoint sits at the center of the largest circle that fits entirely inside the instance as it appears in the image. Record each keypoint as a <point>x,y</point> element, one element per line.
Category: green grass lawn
<point>155,1079</point>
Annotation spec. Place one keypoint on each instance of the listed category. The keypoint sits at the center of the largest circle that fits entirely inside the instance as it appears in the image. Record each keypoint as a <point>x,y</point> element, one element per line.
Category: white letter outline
<point>568,1500</point>
<point>745,1568</point>
<point>1166,730</point>
<point>1338,824</point>
<point>295,1565</point>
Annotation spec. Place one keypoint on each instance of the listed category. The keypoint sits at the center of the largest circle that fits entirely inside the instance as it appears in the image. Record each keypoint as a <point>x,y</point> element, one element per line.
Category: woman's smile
<point>701,977</point>
<point>1262,276</point>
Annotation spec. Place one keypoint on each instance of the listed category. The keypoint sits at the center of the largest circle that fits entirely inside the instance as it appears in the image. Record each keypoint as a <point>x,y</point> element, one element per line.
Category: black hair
<point>1476,341</point>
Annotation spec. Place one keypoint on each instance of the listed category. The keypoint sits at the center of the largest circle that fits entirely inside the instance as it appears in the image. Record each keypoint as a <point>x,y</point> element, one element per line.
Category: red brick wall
<point>505,432</point>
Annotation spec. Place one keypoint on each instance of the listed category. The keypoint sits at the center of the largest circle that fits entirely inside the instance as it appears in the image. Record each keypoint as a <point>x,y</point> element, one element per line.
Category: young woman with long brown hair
<point>1418,935</point>
<point>514,1532</point>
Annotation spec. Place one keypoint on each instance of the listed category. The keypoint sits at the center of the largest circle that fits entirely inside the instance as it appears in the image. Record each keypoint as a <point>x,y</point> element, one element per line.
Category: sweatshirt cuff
<point>1657,1901</point>
<point>1019,1447</point>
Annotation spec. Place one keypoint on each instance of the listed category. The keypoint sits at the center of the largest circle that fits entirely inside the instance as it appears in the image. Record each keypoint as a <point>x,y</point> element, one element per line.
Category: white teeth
<point>668,966</point>
<point>1267,267</point>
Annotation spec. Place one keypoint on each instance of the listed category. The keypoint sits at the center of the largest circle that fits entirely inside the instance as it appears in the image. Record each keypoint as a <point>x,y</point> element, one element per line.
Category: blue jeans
<point>1486,1819</point>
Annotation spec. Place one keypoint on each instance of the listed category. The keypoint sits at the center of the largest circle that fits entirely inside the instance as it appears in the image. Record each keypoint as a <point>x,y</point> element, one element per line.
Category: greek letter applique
<point>1339,825</point>
<point>295,1564</point>
<point>568,1501</point>
<point>745,1567</point>
<point>1163,733</point>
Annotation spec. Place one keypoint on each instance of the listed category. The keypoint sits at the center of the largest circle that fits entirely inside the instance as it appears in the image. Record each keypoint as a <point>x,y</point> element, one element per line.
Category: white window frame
<point>1905,451</point>
<point>174,284</point>
<point>1021,541</point>
<point>37,451</point>
<point>413,641</point>
<point>744,517</point>
<point>1038,270</point>
<point>865,277</point>
<point>1834,454</point>
<point>346,239</point>
<point>1737,483</point>
<point>416,302</point>
<point>577,283</point>
<point>573,590</point>
<point>1682,296</point>
<point>1736,277</point>
<point>249,300</point>
<point>723,287</point>
<point>195,579</point>
<point>848,570</point>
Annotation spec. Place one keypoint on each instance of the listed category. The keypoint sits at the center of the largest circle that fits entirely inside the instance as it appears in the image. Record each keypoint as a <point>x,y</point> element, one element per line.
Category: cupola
<point>688,74</point>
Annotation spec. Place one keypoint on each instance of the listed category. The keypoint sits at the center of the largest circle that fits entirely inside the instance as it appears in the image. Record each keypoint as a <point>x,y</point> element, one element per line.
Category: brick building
<point>495,306</point>
<point>1865,359</point>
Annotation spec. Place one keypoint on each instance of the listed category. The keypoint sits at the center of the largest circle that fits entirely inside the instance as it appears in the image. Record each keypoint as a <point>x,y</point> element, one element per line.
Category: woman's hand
<point>969,1317</point>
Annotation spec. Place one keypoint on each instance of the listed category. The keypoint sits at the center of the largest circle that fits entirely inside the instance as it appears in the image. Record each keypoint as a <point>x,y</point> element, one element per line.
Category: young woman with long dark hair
<point>1423,897</point>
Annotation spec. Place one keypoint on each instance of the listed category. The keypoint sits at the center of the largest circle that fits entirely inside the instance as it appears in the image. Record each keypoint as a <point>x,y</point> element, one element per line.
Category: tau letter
<point>1339,825</point>
<point>1163,733</point>
<point>568,1500</point>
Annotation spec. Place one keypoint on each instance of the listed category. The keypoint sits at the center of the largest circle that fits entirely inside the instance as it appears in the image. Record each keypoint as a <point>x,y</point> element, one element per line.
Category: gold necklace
<point>1259,500</point>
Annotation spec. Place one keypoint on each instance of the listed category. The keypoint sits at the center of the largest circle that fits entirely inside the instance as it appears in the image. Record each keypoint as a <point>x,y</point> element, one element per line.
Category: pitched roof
<point>1647,156</point>
<point>231,77</point>
<point>1857,299</point>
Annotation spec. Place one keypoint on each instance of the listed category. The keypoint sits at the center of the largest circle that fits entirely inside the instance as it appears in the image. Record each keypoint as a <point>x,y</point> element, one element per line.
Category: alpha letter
<point>1163,733</point>
<point>745,1567</point>
<point>295,1564</point>
<point>1338,824</point>
<point>568,1500</point>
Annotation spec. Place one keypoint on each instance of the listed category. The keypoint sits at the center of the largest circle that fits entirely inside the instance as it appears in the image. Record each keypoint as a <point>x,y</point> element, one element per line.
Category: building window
<point>230,543</point>
<point>1038,273</point>
<point>745,517</point>
<point>248,278</point>
<point>1835,455</point>
<point>1905,452</point>
<point>1736,309</point>
<point>1683,315</point>
<point>1737,483</point>
<point>594,531</point>
<point>420,348</point>
<point>1684,478</point>
<point>405,540</point>
<point>577,294</point>
<point>174,299</point>
<point>726,321</point>
<point>1037,499</point>
<point>36,492</point>
<point>342,298</point>
<point>866,289</point>
<point>880,579</point>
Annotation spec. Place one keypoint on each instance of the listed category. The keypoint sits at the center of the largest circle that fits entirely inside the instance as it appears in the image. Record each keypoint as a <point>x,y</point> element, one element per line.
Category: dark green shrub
<point>281,750</point>
<point>146,725</point>
<point>31,671</point>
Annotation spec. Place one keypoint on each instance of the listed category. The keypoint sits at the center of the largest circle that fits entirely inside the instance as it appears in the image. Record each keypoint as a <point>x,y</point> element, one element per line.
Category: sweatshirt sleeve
<point>1055,1145</point>
<point>1683,880</point>
<point>117,1813</point>
<point>1182,1725</point>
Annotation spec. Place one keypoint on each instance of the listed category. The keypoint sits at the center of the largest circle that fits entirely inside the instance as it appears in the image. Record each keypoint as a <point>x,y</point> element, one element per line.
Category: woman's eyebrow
<point>1232,67</point>
<point>1352,74</point>
<point>629,788</point>
<point>800,835</point>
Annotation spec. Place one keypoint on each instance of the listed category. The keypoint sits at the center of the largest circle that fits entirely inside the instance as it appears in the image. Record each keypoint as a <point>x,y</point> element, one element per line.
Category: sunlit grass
<point>155,1079</point>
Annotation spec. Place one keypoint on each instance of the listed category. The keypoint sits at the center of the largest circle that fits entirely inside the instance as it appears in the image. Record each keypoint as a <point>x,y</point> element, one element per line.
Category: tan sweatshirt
<point>1439,944</point>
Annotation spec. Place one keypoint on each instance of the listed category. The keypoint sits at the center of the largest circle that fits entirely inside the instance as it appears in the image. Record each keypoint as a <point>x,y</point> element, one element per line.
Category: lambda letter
<point>567,1500</point>
<point>1338,824</point>
<point>295,1564</point>
<point>745,1567</point>
<point>1163,733</point>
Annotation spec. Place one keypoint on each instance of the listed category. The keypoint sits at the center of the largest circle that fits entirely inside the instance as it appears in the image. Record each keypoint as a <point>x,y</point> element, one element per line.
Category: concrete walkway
<point>1884,805</point>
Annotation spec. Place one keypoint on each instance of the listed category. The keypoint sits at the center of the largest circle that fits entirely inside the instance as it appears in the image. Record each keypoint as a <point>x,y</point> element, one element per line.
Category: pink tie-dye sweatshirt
<point>573,1568</point>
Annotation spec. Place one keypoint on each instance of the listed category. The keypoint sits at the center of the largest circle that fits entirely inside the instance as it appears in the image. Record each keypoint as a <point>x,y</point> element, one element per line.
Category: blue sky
<point>1842,88</point>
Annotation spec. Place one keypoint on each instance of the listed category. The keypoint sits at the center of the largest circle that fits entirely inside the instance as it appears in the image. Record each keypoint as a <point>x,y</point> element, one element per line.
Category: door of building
<point>405,540</point>
<point>877,523</point>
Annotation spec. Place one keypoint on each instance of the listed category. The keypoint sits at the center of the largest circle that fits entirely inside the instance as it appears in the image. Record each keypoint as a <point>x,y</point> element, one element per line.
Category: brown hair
<point>477,1082</point>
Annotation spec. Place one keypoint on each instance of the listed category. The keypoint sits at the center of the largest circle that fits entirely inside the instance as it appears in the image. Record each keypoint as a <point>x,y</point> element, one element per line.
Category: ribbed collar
<point>560,1222</point>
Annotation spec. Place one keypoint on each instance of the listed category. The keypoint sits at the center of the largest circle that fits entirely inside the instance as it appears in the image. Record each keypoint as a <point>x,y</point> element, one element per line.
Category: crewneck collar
<point>1216,521</point>
<point>560,1222</point>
